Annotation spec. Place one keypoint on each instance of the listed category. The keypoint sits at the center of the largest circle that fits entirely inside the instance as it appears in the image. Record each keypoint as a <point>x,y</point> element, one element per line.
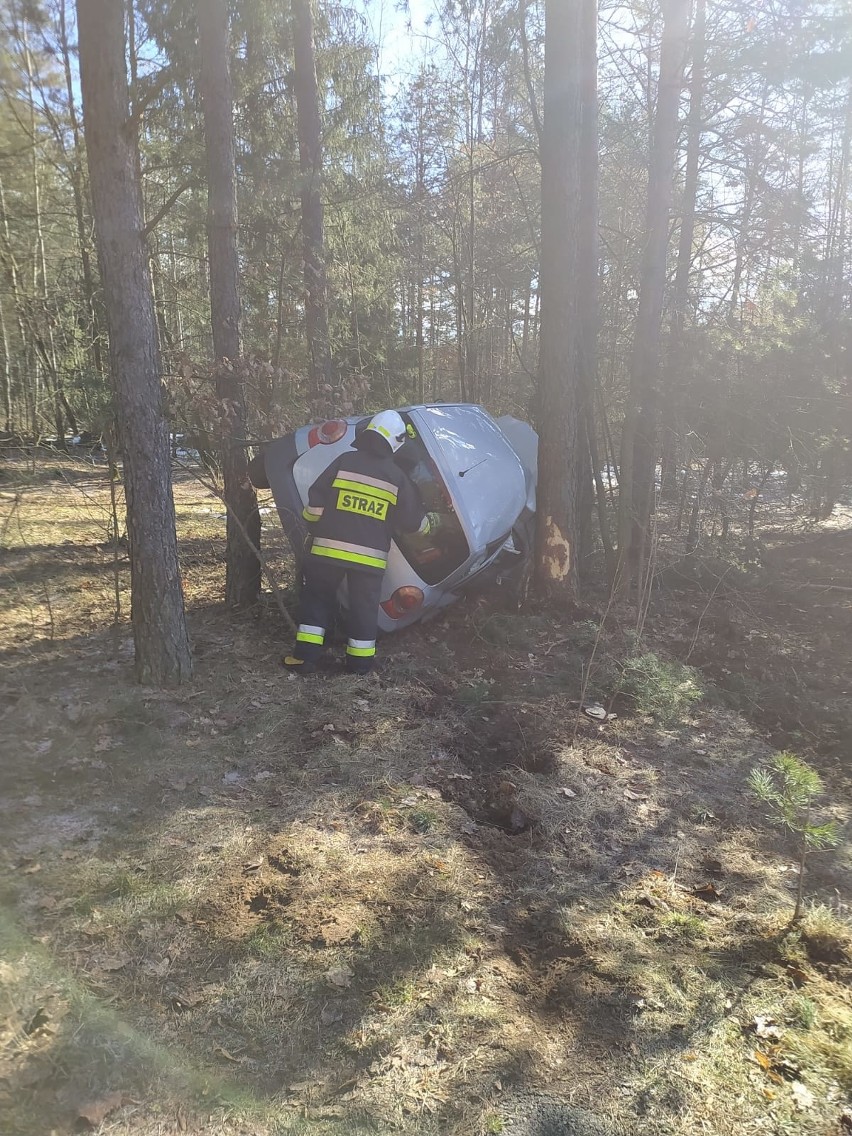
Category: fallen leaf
<point>180,1003</point>
<point>765,1026</point>
<point>329,728</point>
<point>803,1097</point>
<point>302,1086</point>
<point>221,1051</point>
<point>633,796</point>
<point>708,892</point>
<point>595,711</point>
<point>799,976</point>
<point>114,962</point>
<point>95,1112</point>
<point>340,976</point>
<point>253,865</point>
<point>331,1014</point>
<point>763,1061</point>
<point>158,969</point>
<point>566,792</point>
<point>518,819</point>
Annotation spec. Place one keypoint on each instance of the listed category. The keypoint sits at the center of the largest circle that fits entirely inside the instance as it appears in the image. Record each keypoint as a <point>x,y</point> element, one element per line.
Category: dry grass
<point>405,903</point>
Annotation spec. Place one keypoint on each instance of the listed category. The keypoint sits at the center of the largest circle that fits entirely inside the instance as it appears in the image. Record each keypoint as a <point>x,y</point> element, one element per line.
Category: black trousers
<point>322,579</point>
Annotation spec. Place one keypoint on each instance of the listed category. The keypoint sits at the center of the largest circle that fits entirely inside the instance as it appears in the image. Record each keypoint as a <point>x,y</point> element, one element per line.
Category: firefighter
<point>354,507</point>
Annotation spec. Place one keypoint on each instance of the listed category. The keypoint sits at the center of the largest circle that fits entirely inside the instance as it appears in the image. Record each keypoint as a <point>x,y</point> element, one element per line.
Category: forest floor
<point>434,900</point>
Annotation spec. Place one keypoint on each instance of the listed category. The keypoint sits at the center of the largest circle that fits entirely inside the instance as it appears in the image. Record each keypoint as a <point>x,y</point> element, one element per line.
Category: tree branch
<point>167,205</point>
<point>525,47</point>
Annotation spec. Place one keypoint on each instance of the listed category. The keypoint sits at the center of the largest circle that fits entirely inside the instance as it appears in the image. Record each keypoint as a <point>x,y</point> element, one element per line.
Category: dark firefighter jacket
<point>356,505</point>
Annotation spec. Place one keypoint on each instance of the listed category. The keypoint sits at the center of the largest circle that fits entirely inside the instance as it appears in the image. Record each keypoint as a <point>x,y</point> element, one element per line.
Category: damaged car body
<point>477,473</point>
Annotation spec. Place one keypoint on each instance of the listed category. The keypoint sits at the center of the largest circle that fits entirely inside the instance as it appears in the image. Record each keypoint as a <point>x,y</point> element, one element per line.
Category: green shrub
<point>791,789</point>
<point>663,689</point>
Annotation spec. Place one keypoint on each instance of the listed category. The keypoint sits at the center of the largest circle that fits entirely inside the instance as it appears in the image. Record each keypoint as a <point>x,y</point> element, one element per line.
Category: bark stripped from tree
<point>566,209</point>
<point>159,625</point>
<point>242,573</point>
<point>310,166</point>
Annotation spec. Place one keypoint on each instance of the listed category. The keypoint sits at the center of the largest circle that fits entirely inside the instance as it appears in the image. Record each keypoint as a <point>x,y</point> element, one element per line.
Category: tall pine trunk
<point>639,435</point>
<point>676,362</point>
<point>242,567</point>
<point>566,208</point>
<point>159,624</point>
<point>310,167</point>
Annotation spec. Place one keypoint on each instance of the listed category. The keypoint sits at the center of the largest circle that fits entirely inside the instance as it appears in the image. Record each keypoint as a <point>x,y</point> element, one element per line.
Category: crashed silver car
<point>476,472</point>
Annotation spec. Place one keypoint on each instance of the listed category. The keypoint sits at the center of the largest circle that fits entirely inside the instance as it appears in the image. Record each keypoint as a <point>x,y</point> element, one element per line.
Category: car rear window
<point>439,553</point>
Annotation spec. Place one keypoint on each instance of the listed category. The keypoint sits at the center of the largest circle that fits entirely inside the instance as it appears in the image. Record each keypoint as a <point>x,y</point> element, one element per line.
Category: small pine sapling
<point>790,787</point>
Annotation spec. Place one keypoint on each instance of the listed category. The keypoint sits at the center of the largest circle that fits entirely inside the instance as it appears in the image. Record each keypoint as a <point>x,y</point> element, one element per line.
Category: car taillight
<point>328,432</point>
<point>403,602</point>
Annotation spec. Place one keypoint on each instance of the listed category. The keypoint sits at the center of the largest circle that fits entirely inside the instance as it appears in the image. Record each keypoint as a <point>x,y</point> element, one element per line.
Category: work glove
<point>431,522</point>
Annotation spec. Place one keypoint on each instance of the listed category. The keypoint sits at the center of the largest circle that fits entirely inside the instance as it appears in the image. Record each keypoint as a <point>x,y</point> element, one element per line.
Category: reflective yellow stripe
<point>305,637</point>
<point>365,479</point>
<point>364,487</point>
<point>350,557</point>
<point>311,515</point>
<point>361,652</point>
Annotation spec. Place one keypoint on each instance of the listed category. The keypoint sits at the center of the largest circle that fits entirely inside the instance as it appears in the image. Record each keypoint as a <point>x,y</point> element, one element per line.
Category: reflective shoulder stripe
<point>312,513</point>
<point>363,479</point>
<point>366,490</point>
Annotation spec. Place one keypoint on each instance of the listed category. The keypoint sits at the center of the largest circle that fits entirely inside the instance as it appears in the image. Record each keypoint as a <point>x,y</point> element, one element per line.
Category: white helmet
<point>391,427</point>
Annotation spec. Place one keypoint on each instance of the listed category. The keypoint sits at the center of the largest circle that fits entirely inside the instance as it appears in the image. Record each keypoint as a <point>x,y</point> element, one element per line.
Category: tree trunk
<point>639,436</point>
<point>75,166</point>
<point>7,371</point>
<point>159,624</point>
<point>676,361</point>
<point>310,166</point>
<point>588,279</point>
<point>242,568</point>
<point>565,211</point>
